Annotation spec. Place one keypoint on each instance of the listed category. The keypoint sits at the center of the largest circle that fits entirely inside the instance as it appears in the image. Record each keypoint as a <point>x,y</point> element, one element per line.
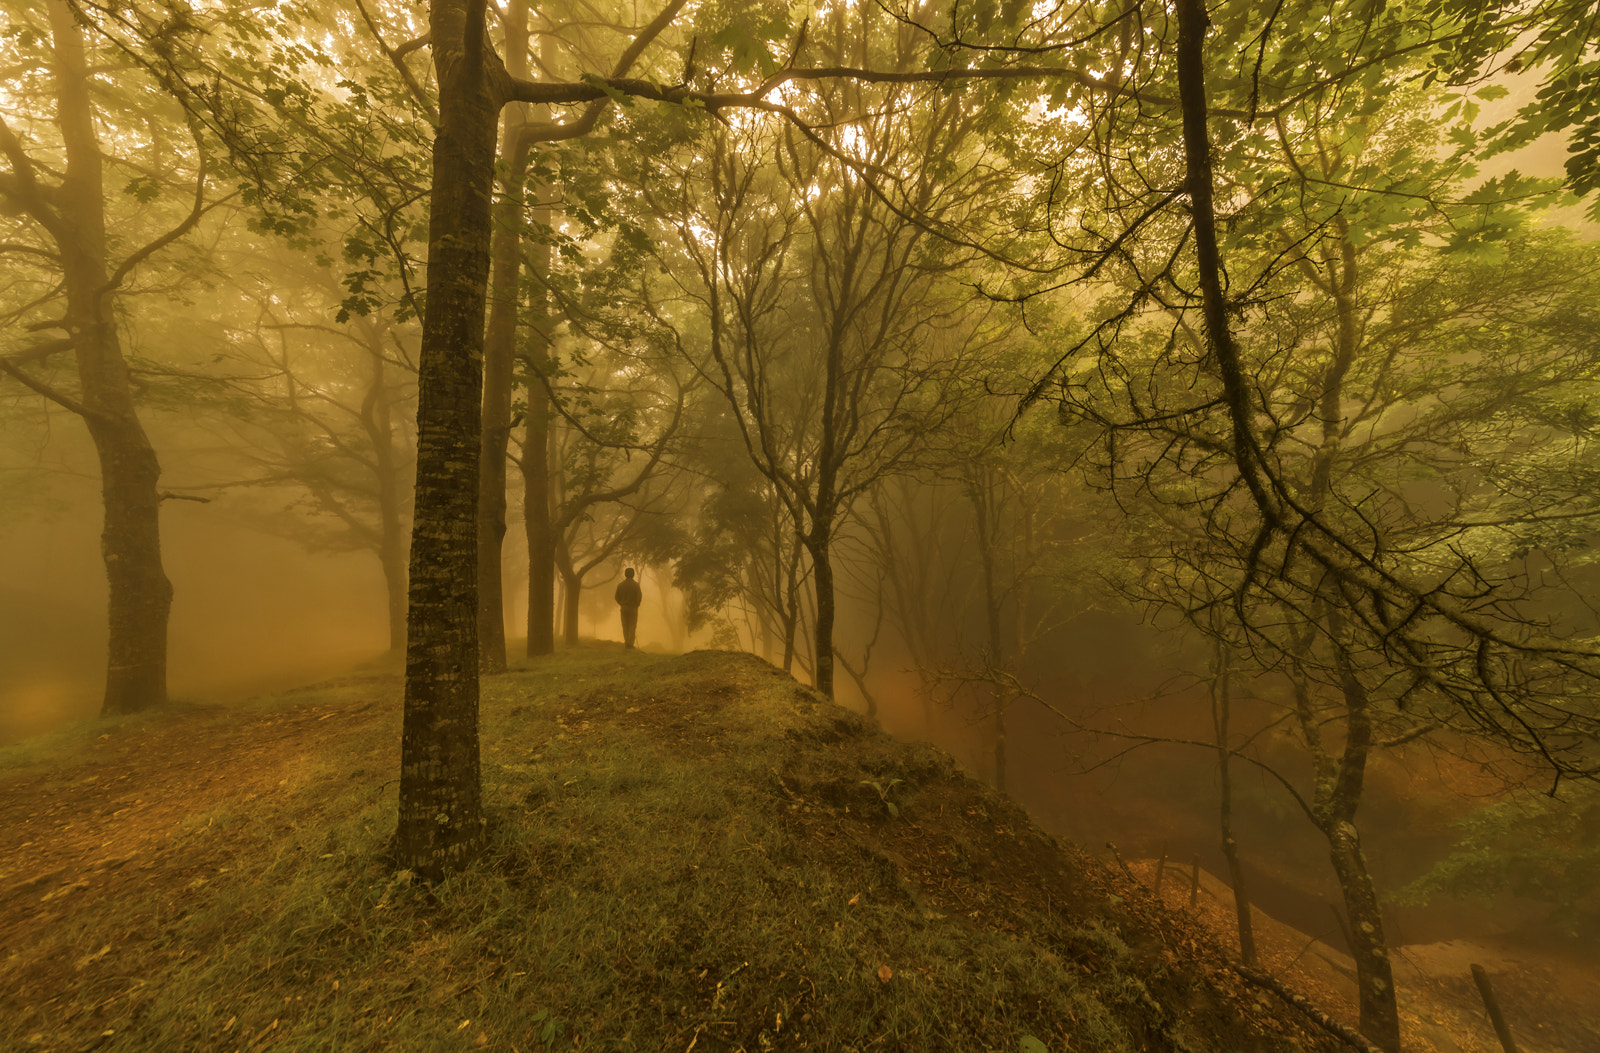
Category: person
<point>628,599</point>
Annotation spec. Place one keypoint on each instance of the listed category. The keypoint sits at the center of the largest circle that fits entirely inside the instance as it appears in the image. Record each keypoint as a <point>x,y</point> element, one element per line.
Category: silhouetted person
<point>628,598</point>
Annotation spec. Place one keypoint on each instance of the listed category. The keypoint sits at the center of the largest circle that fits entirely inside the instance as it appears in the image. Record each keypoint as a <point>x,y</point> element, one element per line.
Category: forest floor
<point>1549,996</point>
<point>687,854</point>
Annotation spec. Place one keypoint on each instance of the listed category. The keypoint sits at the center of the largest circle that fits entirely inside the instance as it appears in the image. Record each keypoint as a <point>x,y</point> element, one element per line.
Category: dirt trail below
<point>70,836</point>
<point>1550,997</point>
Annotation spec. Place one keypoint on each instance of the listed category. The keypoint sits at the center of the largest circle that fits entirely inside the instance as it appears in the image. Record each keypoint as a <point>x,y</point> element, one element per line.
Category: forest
<point>1093,387</point>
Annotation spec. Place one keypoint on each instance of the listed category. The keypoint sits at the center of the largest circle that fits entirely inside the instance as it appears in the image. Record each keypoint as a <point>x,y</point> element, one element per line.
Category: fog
<point>1210,469</point>
<point>252,613</point>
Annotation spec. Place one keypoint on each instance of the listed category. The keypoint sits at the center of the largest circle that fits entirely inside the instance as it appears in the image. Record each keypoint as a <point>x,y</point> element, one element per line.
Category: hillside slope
<point>689,854</point>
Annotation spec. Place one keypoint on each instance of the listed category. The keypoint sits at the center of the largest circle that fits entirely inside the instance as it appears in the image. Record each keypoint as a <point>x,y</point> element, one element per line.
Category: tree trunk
<point>819,545</point>
<point>499,354</point>
<point>392,557</point>
<point>1221,705</point>
<point>536,502</point>
<point>140,596</point>
<point>571,595</point>
<point>441,823</point>
<point>1380,1013</point>
<point>378,421</point>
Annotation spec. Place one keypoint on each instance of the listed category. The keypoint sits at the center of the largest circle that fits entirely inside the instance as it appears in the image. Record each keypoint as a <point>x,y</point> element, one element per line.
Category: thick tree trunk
<point>1380,1014</point>
<point>499,352</point>
<point>140,596</point>
<point>441,821</point>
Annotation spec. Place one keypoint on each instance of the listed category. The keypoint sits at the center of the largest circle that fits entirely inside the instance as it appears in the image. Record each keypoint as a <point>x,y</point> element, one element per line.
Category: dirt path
<point>70,836</point>
<point>1549,995</point>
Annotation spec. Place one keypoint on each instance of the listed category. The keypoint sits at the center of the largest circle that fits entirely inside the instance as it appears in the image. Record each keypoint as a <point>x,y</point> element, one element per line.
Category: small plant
<point>552,1030</point>
<point>883,790</point>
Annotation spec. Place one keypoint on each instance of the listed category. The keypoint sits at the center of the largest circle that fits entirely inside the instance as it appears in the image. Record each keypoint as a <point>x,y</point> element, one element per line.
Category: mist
<point>254,613</point>
<point>1181,417</point>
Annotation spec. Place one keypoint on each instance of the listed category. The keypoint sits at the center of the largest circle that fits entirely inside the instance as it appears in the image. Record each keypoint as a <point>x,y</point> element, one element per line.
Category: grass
<point>686,854</point>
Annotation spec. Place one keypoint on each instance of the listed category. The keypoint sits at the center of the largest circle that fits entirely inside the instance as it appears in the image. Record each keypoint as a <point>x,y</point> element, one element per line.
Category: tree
<point>499,351</point>
<point>322,407</point>
<point>1532,844</point>
<point>441,819</point>
<point>831,341</point>
<point>1293,430</point>
<point>521,231</point>
<point>69,229</point>
<point>610,482</point>
<point>740,560</point>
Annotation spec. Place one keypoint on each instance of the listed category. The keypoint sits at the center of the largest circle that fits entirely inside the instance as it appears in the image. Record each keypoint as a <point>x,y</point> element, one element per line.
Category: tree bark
<point>1380,1011</point>
<point>441,823</point>
<point>377,418</point>
<point>140,596</point>
<point>537,524</point>
<point>1380,1015</point>
<point>1192,26</point>
<point>1221,705</point>
<point>499,355</point>
<point>571,595</point>
<point>819,543</point>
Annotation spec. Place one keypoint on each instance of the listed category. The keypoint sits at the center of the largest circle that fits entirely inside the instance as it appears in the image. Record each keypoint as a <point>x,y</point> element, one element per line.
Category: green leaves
<point>550,1028</point>
<point>747,45</point>
<point>143,189</point>
<point>618,97</point>
<point>1534,845</point>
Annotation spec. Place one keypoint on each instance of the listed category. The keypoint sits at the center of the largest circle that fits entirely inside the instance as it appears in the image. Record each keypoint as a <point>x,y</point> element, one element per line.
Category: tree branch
<point>23,184</point>
<point>396,58</point>
<point>40,351</point>
<point>63,400</point>
<point>189,222</point>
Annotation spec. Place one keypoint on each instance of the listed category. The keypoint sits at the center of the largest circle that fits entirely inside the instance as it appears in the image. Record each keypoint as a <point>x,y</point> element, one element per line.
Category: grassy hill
<point>689,854</point>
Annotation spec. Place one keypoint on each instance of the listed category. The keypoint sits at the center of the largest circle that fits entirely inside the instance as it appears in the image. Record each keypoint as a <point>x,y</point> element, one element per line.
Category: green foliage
<point>747,44</point>
<point>883,790</point>
<point>1532,845</point>
<point>550,1029</point>
<point>1551,39</point>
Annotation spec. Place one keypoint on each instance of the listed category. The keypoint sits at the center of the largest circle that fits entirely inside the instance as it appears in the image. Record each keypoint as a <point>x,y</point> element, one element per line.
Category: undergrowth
<point>670,867</point>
